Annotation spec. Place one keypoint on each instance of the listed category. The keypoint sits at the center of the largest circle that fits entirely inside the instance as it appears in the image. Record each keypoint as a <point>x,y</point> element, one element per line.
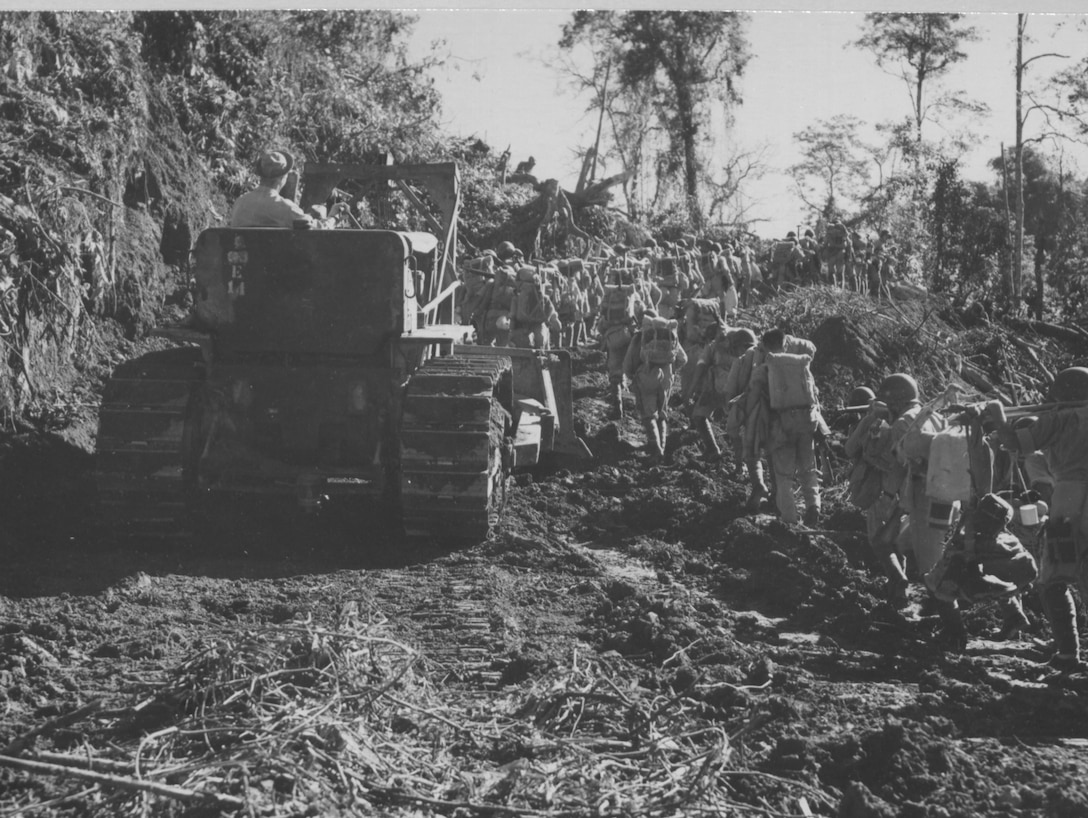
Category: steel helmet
<point>861,396</point>
<point>619,249</point>
<point>506,250</point>
<point>743,338</point>
<point>1069,385</point>
<point>898,390</point>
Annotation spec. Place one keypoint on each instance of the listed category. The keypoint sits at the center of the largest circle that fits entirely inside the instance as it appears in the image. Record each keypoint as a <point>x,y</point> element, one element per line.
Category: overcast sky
<point>500,83</point>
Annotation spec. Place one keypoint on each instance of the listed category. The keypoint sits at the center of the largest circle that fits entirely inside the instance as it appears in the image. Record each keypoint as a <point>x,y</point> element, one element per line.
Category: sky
<point>500,83</point>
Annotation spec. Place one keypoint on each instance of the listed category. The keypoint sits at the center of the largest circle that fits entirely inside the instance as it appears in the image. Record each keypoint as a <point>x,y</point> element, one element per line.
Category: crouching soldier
<point>651,360</point>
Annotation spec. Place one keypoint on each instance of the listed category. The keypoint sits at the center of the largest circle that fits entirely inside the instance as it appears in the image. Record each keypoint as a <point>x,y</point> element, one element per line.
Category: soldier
<point>651,359</point>
<point>533,314</point>
<point>886,525</point>
<point>912,433</point>
<point>264,206</point>
<point>880,263</point>
<point>475,276</point>
<point>837,252</point>
<point>710,387</point>
<point>859,251</point>
<point>786,381</point>
<point>719,281</point>
<point>615,321</point>
<point>786,261</point>
<point>810,266</point>
<point>1062,435</point>
<point>496,303</point>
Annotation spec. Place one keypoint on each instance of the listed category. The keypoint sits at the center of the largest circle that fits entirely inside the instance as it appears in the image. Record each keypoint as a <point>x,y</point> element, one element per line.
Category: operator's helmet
<point>791,235</point>
<point>506,250</point>
<point>619,249</point>
<point>861,396</point>
<point>898,391</point>
<point>1069,385</point>
<point>650,243</point>
<point>809,234</point>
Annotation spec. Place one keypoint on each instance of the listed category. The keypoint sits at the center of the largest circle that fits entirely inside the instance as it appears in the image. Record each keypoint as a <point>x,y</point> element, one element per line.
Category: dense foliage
<point>125,134</point>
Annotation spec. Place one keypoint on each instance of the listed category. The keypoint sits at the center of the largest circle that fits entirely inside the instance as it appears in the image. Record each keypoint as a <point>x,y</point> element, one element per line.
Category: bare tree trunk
<point>1018,238</point>
<point>1006,265</point>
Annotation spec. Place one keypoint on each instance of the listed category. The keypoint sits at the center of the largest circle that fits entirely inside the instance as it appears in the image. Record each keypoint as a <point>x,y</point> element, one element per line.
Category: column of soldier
<point>843,258</point>
<point>955,500</point>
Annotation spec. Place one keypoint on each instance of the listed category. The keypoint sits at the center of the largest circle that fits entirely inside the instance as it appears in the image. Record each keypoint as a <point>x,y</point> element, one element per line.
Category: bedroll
<point>659,347</point>
<point>529,301</point>
<point>790,382</point>
<point>619,304</point>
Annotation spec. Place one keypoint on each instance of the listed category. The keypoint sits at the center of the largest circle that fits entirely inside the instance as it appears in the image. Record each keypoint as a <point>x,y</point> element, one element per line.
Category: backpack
<point>836,235</point>
<point>659,343</point>
<point>782,253</point>
<point>619,304</point>
<point>529,300</point>
<point>699,314</point>
<point>789,381</point>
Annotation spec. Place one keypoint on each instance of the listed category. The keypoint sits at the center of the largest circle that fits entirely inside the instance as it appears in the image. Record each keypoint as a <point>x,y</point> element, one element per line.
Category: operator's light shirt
<point>264,207</point>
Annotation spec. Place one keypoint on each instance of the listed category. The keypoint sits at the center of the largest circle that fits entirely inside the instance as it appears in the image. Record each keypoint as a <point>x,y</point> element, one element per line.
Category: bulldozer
<point>324,367</point>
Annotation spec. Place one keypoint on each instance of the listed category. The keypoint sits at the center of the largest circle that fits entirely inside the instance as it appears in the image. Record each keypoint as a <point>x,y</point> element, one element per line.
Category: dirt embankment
<point>630,643</point>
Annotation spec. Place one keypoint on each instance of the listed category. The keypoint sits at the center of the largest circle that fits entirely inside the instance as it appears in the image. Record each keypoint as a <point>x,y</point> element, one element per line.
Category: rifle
<point>1036,408</point>
<point>847,410</point>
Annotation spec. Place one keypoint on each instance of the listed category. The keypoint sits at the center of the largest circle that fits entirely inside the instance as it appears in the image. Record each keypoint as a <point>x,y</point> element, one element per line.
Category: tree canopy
<point>684,61</point>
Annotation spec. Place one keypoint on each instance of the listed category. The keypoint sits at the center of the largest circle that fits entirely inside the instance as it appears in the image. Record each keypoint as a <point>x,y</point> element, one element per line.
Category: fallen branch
<point>80,713</point>
<point>122,783</point>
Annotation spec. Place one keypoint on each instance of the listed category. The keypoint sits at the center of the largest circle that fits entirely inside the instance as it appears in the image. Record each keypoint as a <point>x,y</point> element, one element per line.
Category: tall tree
<point>832,169</point>
<point>686,60</point>
<point>920,49</point>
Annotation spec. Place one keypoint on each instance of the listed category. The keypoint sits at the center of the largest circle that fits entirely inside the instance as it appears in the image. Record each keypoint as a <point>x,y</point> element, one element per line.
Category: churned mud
<point>629,643</point>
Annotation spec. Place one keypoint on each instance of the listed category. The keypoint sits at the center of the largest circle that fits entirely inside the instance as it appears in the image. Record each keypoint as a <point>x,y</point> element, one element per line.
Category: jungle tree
<point>920,49</point>
<point>832,168</point>
<point>686,61</point>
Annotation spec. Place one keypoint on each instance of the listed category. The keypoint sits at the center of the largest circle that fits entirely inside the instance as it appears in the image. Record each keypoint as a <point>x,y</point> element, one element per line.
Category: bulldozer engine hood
<point>306,292</point>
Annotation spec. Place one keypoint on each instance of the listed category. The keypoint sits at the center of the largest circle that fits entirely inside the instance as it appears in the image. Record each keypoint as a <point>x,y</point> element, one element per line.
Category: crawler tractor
<point>323,367</point>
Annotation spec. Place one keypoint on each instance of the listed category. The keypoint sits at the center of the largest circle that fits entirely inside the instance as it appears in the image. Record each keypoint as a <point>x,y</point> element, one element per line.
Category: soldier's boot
<point>897,579</point>
<point>653,437</point>
<point>953,631</point>
<point>711,450</point>
<point>615,401</point>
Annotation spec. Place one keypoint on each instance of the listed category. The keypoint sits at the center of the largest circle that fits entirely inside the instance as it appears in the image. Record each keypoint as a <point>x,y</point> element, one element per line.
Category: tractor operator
<point>264,206</point>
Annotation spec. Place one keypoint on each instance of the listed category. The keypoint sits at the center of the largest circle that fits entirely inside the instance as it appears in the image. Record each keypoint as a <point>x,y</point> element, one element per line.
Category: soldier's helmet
<point>506,250</point>
<point>898,391</point>
<point>1069,385</point>
<point>742,338</point>
<point>809,234</point>
<point>861,396</point>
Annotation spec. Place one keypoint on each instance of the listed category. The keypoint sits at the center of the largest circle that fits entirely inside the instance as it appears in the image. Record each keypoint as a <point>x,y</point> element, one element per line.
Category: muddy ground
<point>630,643</point>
